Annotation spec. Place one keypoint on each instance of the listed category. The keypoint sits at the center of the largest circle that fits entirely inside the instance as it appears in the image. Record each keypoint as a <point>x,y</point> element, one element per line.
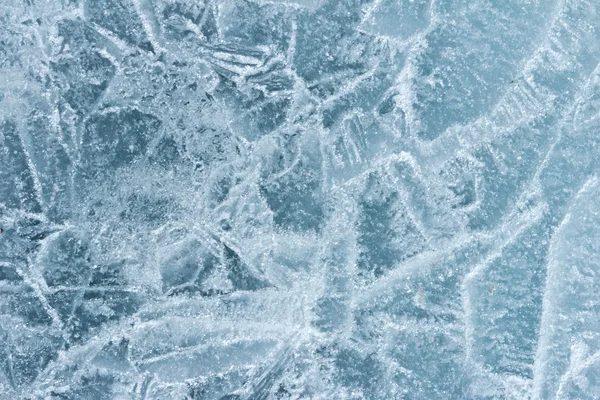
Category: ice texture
<point>299,199</point>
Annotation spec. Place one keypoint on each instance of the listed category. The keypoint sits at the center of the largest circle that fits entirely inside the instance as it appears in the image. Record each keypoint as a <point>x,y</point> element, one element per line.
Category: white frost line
<point>548,313</point>
<point>381,165</point>
<point>34,174</point>
<point>147,26</point>
<point>514,230</point>
<point>216,12</point>
<point>577,365</point>
<point>535,180</point>
<point>34,277</point>
<point>118,42</point>
<point>293,5</point>
<point>112,59</point>
<point>264,334</point>
<point>291,51</point>
<point>590,86</point>
<point>280,358</point>
<point>419,263</point>
<point>369,11</point>
<point>203,308</point>
<point>530,64</point>
<point>350,87</point>
<point>244,60</point>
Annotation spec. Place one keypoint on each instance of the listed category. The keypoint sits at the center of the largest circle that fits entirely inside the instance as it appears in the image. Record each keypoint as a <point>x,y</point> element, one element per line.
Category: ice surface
<point>299,199</point>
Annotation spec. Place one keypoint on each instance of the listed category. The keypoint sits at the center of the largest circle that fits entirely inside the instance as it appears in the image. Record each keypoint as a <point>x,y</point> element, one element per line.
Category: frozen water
<point>299,199</point>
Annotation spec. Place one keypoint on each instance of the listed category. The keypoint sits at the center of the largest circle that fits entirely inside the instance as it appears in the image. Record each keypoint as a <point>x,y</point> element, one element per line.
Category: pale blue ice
<point>299,199</point>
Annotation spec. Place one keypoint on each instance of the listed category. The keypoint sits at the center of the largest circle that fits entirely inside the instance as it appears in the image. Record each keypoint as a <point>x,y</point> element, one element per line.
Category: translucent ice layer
<point>299,199</point>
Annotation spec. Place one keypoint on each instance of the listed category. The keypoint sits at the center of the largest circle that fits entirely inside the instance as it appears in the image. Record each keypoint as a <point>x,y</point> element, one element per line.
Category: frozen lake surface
<point>299,199</point>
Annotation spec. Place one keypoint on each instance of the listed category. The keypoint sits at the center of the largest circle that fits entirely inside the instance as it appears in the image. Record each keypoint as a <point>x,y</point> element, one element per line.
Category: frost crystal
<point>299,199</point>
